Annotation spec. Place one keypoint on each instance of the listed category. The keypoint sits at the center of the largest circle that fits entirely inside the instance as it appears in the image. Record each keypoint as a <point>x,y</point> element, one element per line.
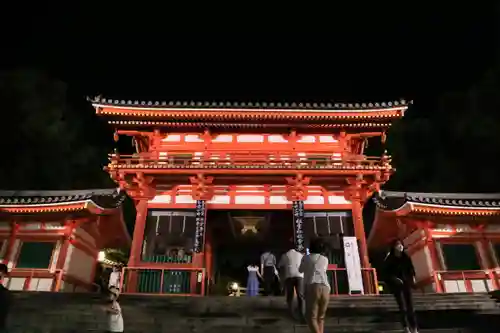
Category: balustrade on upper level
<point>249,159</point>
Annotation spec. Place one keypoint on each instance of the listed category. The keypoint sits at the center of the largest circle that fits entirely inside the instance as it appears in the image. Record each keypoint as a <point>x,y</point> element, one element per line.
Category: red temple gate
<point>194,157</point>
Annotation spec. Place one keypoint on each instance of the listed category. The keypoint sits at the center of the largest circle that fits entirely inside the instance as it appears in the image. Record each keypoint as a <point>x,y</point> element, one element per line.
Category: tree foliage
<point>454,147</point>
<point>47,142</point>
<point>50,141</point>
<point>119,256</point>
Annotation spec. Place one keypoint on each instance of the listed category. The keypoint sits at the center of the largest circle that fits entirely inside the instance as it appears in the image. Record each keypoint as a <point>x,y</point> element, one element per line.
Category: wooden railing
<point>339,282</point>
<point>152,280</point>
<point>467,281</point>
<point>248,160</point>
<point>30,278</point>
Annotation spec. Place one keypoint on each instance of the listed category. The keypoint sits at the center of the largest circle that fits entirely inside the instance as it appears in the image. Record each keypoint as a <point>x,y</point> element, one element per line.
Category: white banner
<point>353,265</point>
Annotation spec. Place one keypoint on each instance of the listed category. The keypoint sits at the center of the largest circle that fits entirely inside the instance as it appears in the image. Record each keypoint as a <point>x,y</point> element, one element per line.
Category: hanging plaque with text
<point>298,221</point>
<point>199,237</point>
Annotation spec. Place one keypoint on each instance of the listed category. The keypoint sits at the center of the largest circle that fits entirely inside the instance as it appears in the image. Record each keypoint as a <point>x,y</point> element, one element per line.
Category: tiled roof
<point>389,200</point>
<point>249,105</point>
<point>106,198</point>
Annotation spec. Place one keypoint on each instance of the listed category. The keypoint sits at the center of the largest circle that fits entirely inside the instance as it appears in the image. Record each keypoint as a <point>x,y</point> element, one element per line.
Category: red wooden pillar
<point>63,252</point>
<point>488,260</point>
<point>208,258</point>
<point>436,262</point>
<point>137,240</point>
<point>12,241</point>
<point>359,232</point>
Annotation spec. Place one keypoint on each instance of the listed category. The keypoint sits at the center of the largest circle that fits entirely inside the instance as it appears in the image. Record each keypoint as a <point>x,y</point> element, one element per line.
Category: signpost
<point>353,265</point>
<point>298,220</point>
<point>199,237</point>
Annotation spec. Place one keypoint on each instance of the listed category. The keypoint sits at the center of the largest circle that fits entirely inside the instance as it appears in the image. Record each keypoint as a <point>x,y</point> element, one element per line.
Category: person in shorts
<point>317,289</point>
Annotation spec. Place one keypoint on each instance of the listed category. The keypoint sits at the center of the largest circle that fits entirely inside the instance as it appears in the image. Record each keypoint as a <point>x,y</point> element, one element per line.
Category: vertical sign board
<point>199,237</point>
<point>298,220</point>
<point>353,265</point>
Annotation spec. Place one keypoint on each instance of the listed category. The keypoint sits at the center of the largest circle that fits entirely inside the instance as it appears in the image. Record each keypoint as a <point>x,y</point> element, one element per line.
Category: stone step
<point>154,328</point>
<point>51,313</point>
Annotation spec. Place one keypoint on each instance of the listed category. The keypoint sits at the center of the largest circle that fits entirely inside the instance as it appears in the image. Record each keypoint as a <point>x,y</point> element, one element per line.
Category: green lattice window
<point>460,257</point>
<point>35,255</point>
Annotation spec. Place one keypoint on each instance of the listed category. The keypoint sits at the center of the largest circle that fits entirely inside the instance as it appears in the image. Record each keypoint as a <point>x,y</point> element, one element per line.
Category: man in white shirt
<point>294,280</point>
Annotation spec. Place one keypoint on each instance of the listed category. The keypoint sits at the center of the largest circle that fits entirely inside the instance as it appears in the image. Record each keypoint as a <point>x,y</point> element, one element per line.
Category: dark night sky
<point>378,53</point>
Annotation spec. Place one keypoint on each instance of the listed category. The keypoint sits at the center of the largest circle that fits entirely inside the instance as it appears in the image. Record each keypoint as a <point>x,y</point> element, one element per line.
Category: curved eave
<point>59,207</point>
<point>246,114</point>
<point>146,123</point>
<point>428,209</point>
<point>160,169</point>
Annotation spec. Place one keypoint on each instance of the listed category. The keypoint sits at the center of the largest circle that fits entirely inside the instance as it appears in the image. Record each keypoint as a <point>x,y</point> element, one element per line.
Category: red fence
<point>248,159</point>
<point>163,281</point>
<point>467,281</point>
<point>339,282</point>
<point>30,279</point>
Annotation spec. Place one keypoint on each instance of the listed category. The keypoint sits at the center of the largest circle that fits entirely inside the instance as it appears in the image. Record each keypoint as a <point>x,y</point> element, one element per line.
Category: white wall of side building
<point>421,259</point>
<point>79,265</point>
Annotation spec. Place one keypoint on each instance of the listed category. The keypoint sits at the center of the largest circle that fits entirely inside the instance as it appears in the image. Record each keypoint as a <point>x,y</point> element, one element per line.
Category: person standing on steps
<point>115,277</point>
<point>114,311</point>
<point>268,271</point>
<point>5,299</point>
<point>400,278</point>
<point>293,279</point>
<point>317,288</point>
<point>253,280</point>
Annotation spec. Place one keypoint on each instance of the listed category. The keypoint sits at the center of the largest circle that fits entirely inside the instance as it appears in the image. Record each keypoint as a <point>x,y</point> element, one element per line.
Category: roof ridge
<point>254,104</point>
<point>35,193</point>
<point>442,195</point>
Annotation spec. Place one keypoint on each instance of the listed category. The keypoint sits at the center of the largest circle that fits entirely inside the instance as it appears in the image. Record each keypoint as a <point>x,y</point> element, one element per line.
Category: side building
<point>50,240</point>
<point>453,239</point>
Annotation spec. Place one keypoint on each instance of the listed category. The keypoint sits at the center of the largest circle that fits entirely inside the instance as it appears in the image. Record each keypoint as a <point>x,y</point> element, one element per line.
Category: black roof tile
<point>248,105</point>
<point>389,200</point>
<point>106,198</point>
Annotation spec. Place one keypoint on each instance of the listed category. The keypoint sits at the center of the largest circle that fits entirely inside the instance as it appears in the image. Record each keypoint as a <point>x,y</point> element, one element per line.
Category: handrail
<point>271,159</point>
<point>155,281</point>
<point>33,273</point>
<point>369,276</point>
<point>491,274</point>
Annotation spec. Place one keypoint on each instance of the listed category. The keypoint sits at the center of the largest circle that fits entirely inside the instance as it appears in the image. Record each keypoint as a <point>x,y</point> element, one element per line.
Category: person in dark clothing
<point>5,299</point>
<point>268,271</point>
<point>400,278</point>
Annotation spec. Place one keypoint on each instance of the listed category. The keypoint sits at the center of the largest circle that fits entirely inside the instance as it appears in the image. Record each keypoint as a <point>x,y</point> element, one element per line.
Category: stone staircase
<point>72,312</point>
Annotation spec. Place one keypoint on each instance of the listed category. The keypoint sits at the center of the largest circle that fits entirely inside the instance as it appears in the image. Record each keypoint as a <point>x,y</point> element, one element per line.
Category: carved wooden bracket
<point>201,187</point>
<point>297,187</point>
<point>140,187</point>
<point>383,137</point>
<point>479,227</point>
<point>357,189</point>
